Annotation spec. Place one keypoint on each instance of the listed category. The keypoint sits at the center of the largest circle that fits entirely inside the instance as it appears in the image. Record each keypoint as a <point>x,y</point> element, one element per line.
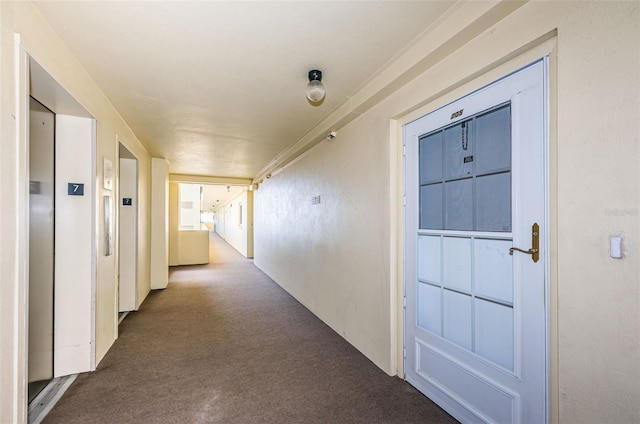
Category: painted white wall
<point>75,273</point>
<point>235,222</point>
<point>338,257</point>
<point>159,223</point>
<point>174,223</point>
<point>248,224</point>
<point>190,206</point>
<point>220,224</point>
<point>128,236</point>
<point>215,194</point>
<point>36,38</point>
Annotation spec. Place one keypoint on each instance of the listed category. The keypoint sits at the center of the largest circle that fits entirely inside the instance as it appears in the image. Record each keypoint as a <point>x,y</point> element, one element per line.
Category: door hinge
<point>404,353</point>
<point>404,150</point>
<point>404,302</point>
<point>404,200</point>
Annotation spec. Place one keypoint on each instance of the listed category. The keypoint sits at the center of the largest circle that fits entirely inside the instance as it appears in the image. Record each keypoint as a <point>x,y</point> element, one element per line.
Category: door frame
<point>545,48</point>
<point>75,222</point>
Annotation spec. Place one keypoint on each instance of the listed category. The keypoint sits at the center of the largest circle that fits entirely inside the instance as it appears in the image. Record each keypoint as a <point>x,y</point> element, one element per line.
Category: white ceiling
<point>215,196</point>
<point>218,87</point>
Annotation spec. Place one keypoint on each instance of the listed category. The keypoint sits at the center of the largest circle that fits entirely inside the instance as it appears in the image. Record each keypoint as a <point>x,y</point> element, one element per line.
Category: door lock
<point>535,244</point>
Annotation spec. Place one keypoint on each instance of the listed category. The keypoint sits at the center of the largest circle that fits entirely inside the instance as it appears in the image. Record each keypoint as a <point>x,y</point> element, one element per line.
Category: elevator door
<point>41,246</point>
<point>128,235</point>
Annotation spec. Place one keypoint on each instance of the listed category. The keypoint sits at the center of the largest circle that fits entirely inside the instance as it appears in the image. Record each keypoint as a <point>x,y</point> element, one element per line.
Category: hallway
<point>225,344</point>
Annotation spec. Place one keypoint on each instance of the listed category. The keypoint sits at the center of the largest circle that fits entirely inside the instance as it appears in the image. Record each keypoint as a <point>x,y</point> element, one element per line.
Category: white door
<point>476,313</point>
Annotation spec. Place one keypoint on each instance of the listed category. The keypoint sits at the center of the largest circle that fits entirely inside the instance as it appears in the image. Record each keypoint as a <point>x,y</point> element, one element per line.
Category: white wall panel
<point>159,223</point>
<point>237,223</point>
<point>174,223</point>
<point>75,260</point>
<point>190,204</point>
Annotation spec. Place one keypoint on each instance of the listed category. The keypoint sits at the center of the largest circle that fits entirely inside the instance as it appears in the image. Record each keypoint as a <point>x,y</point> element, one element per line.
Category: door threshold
<point>48,397</point>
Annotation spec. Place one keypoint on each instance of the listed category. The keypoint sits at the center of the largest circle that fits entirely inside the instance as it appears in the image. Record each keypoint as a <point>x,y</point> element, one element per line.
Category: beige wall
<point>239,234</point>
<point>334,256</point>
<point>38,40</point>
<point>189,246</point>
<point>339,257</point>
<point>174,224</point>
<point>159,223</point>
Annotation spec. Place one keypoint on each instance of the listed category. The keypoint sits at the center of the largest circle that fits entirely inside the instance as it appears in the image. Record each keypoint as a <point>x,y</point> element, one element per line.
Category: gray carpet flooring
<point>224,344</point>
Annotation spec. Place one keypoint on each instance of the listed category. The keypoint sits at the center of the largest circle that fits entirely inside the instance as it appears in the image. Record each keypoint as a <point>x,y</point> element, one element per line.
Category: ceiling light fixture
<point>315,89</point>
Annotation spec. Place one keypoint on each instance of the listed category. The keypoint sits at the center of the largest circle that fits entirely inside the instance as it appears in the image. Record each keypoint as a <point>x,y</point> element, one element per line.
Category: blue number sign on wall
<point>75,189</point>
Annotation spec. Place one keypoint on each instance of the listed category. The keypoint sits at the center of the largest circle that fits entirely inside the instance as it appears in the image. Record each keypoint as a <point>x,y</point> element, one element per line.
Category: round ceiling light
<point>315,89</point>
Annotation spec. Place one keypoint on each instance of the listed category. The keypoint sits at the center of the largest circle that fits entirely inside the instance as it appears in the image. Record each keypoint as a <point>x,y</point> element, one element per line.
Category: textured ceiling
<point>215,196</point>
<point>217,87</point>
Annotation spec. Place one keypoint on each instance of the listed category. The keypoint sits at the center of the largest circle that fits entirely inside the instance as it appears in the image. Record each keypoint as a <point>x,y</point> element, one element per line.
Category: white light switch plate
<point>616,247</point>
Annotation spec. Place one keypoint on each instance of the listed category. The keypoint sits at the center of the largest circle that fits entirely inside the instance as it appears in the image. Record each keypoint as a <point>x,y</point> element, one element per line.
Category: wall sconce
<point>315,89</point>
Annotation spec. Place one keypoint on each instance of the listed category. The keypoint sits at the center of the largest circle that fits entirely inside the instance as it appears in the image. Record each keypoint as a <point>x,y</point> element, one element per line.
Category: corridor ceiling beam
<point>201,179</point>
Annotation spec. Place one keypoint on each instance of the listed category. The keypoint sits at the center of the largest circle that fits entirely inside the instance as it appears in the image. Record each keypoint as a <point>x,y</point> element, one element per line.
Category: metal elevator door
<point>41,246</point>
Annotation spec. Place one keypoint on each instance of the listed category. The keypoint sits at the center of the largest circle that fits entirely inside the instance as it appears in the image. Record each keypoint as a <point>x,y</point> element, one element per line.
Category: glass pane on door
<point>493,135</point>
<point>465,174</point>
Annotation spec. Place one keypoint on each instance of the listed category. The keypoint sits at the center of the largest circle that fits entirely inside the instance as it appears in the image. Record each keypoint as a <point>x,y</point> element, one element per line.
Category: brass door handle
<point>535,244</point>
